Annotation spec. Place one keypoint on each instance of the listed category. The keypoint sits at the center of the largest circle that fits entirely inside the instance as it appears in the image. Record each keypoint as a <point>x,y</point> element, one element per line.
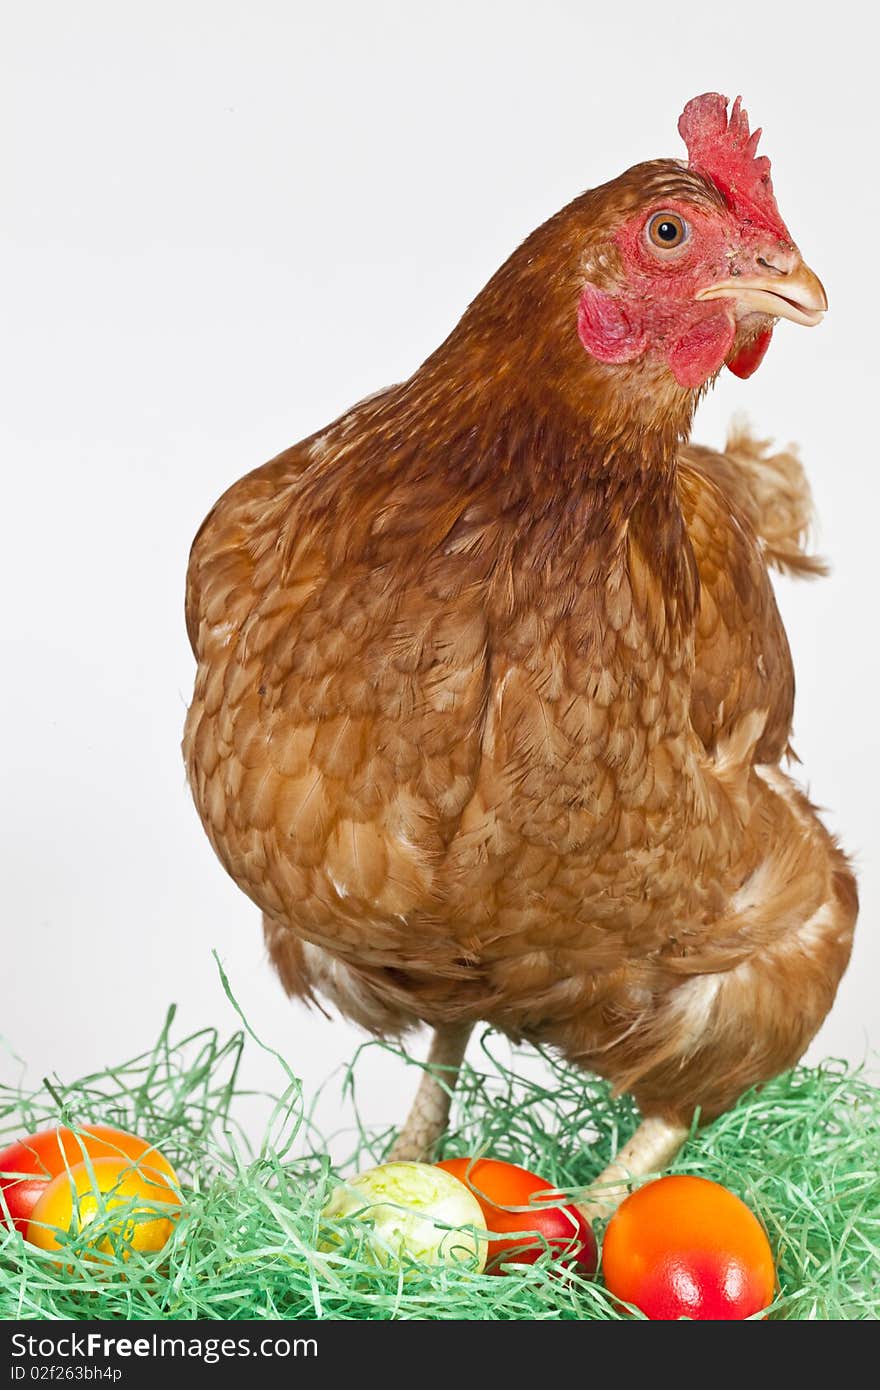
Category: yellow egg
<point>73,1201</point>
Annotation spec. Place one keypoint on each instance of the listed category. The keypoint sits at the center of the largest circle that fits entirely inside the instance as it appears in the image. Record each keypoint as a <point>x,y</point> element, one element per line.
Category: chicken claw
<point>654,1145</point>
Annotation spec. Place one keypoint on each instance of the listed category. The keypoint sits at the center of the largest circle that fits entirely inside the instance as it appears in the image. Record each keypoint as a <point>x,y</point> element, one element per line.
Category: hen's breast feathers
<point>483,784</point>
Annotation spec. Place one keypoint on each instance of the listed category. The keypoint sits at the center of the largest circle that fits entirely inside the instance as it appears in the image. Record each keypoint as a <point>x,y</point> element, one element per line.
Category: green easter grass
<point>804,1153</point>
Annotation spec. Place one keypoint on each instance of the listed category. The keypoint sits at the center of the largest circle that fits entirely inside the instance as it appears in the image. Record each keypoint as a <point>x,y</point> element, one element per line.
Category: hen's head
<point>642,289</point>
<point>693,264</point>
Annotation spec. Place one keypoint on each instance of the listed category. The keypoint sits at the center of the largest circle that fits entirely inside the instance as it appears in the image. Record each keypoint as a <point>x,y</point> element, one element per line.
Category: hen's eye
<point>666,230</point>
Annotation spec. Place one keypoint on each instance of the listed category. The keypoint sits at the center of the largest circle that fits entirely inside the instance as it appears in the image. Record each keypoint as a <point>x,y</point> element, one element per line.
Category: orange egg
<point>73,1201</point>
<point>687,1247</point>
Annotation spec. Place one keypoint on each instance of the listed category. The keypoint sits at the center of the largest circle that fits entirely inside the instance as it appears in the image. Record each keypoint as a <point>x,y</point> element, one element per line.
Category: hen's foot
<point>430,1110</point>
<point>653,1146</point>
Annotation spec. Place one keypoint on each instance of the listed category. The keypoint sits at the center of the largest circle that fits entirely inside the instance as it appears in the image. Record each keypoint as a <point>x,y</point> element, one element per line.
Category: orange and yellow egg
<point>685,1247</point>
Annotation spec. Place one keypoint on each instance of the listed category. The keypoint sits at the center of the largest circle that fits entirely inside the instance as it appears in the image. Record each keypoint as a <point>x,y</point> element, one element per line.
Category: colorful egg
<point>518,1203</point>
<point>73,1201</point>
<point>685,1247</point>
<point>415,1211</point>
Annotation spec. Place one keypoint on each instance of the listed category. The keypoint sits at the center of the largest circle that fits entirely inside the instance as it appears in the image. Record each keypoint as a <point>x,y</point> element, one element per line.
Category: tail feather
<point>777,501</point>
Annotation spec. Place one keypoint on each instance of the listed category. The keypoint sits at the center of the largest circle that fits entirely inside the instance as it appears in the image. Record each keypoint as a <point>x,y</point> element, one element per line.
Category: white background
<point>223,223</point>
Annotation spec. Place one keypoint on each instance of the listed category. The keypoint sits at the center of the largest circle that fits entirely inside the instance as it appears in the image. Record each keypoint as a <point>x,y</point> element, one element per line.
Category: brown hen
<point>492,688</point>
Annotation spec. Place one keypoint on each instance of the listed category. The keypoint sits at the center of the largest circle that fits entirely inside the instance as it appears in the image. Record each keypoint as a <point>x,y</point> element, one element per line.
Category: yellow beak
<point>795,294</point>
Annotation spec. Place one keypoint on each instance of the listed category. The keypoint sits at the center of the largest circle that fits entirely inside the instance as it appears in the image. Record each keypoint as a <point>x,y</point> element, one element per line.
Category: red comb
<point>722,148</point>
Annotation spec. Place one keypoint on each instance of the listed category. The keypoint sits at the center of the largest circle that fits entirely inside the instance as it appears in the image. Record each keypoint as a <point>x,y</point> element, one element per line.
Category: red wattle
<point>701,351</point>
<point>749,358</point>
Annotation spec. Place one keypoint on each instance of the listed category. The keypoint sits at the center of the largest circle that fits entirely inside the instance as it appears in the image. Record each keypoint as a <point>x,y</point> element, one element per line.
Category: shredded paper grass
<point>803,1152</point>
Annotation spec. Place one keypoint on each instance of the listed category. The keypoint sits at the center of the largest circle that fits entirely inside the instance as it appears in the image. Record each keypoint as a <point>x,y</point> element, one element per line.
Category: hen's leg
<point>430,1110</point>
<point>653,1146</point>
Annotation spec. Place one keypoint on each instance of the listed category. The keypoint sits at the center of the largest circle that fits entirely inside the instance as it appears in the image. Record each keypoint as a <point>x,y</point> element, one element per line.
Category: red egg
<point>499,1187</point>
<point>685,1247</point>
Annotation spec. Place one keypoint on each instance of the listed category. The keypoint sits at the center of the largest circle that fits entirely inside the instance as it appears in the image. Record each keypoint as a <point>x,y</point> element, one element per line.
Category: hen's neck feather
<point>457,457</point>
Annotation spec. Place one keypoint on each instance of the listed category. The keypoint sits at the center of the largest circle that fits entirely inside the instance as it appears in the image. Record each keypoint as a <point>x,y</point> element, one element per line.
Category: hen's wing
<point>222,554</point>
<point>743,662</point>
